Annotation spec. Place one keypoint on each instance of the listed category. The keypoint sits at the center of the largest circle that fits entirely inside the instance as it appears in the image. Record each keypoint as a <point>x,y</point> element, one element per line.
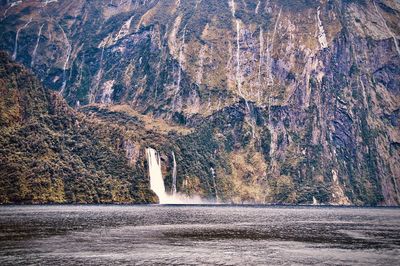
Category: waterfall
<point>270,49</point>
<point>199,78</point>
<point>157,182</point>
<point>238,66</point>
<point>181,58</point>
<point>197,4</point>
<point>315,201</point>
<point>156,179</point>
<point>321,35</point>
<point>238,75</point>
<point>174,172</point>
<point>14,56</point>
<point>50,1</point>
<point>11,6</point>
<point>66,60</point>
<point>233,7</point>
<point>258,7</point>
<point>36,46</point>
<point>214,183</point>
<point>260,63</point>
<point>93,91</point>
<point>180,62</point>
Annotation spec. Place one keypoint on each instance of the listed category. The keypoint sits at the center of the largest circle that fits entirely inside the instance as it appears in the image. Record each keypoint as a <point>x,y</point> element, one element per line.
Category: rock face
<point>261,101</point>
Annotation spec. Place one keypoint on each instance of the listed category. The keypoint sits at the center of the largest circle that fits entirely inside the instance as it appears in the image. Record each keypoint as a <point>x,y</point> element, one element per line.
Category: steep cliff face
<point>276,101</point>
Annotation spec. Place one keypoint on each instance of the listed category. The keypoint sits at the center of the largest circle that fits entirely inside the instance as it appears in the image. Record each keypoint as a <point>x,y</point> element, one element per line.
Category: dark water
<point>198,235</point>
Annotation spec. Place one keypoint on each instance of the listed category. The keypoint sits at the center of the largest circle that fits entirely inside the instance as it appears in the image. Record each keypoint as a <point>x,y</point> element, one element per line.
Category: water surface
<point>198,235</point>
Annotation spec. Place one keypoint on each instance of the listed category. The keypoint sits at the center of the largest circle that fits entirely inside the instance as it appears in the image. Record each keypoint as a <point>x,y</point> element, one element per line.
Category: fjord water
<point>198,235</point>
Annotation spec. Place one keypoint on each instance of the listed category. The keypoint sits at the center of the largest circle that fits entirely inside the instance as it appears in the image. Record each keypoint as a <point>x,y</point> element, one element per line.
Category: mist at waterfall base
<point>157,182</point>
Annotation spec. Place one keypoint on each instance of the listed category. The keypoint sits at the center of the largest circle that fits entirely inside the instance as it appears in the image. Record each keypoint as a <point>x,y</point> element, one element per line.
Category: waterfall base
<point>180,199</point>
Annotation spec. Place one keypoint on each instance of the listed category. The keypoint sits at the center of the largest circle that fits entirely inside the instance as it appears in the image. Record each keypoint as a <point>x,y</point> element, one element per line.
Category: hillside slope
<point>51,154</point>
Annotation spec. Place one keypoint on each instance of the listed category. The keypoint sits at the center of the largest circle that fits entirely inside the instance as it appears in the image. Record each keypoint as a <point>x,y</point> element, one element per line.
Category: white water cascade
<point>16,3</point>
<point>257,7</point>
<point>36,46</point>
<point>181,58</point>
<point>321,35</point>
<point>232,5</point>
<point>181,50</point>
<point>157,182</point>
<point>315,201</point>
<point>214,183</point>
<point>260,63</point>
<point>156,179</point>
<point>66,60</point>
<point>174,172</point>
<point>238,66</point>
<point>238,75</point>
<point>14,56</point>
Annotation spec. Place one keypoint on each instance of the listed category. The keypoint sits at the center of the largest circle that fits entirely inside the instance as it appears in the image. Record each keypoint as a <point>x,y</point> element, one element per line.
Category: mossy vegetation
<point>49,153</point>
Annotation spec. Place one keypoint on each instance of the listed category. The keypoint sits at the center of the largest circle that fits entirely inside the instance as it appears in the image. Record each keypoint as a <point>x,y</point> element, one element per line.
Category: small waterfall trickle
<point>321,35</point>
<point>174,172</point>
<point>315,201</point>
<point>260,63</point>
<point>93,91</point>
<point>14,56</point>
<point>181,58</point>
<point>238,65</point>
<point>257,7</point>
<point>36,45</point>
<point>214,183</point>
<point>232,5</point>
<point>238,75</point>
<point>69,51</point>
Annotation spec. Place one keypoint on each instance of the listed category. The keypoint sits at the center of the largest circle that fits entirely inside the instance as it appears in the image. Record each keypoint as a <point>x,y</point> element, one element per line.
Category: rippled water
<point>198,235</point>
